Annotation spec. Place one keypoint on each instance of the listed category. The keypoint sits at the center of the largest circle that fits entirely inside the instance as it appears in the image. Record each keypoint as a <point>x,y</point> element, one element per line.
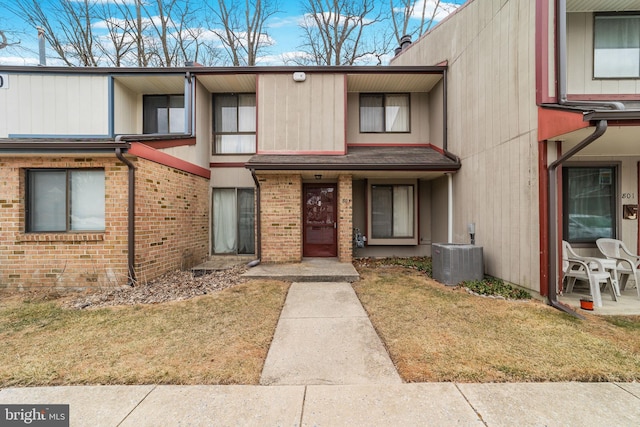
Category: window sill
<point>61,237</point>
<point>392,242</point>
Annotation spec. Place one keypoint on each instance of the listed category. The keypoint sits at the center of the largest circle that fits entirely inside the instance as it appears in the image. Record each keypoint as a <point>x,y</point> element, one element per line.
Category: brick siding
<point>345,218</point>
<point>171,227</point>
<point>172,219</point>
<point>281,218</point>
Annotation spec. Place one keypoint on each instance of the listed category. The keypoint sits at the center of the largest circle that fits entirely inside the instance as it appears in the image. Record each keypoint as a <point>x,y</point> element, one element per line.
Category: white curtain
<point>87,200</point>
<point>371,113</point>
<point>403,211</point>
<point>236,144</point>
<point>397,113</point>
<point>224,221</point>
<point>246,113</point>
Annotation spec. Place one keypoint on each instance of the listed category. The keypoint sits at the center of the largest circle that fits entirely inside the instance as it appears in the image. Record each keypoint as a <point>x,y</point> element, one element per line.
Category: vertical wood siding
<point>57,105</point>
<point>304,116</point>
<point>492,124</point>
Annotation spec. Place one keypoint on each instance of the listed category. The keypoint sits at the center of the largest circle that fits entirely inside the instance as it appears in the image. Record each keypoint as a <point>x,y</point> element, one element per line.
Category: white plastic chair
<point>627,262</point>
<point>588,269</point>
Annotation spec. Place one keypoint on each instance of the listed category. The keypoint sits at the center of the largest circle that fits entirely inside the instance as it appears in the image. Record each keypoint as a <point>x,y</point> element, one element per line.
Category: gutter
<point>258,227</point>
<point>552,249</point>
<point>131,225</point>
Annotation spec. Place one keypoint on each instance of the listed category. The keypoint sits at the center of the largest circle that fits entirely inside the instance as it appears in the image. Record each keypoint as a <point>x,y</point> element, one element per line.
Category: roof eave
<point>348,167</point>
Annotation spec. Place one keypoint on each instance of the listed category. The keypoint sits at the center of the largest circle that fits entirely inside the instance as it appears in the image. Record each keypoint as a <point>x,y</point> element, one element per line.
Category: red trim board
<point>141,150</point>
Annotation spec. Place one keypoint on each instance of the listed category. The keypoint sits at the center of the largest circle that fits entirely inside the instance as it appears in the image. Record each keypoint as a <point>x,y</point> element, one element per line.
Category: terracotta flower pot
<point>586,304</point>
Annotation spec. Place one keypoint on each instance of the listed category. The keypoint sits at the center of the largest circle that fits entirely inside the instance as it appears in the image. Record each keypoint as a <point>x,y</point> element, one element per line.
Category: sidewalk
<point>425,404</point>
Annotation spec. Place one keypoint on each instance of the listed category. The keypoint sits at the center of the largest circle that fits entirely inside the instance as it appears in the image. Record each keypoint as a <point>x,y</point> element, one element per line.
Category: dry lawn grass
<point>221,338</point>
<point>439,333</point>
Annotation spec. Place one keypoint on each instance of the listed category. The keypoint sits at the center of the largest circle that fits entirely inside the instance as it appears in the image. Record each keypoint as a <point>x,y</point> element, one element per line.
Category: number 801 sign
<point>4,81</point>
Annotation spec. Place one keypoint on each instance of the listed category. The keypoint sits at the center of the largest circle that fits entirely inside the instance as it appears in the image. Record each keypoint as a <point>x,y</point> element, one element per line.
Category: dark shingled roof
<point>361,158</point>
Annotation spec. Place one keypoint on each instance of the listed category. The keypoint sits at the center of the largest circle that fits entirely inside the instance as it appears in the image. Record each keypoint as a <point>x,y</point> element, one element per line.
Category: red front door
<point>320,225</point>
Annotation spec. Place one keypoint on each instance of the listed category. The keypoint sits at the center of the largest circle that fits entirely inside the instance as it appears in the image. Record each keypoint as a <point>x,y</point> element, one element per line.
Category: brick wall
<point>172,227</point>
<point>172,219</point>
<point>281,218</point>
<point>76,260</point>
<point>345,218</point>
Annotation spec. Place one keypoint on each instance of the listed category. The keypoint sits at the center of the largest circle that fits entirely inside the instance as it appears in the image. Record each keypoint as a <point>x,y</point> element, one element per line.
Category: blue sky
<point>283,29</point>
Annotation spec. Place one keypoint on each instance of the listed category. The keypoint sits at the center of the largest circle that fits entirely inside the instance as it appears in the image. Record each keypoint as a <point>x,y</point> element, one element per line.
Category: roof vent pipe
<point>405,41</point>
<point>561,35</point>
<point>41,48</point>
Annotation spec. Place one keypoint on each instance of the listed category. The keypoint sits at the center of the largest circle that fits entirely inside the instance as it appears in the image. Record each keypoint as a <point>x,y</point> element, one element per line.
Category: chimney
<point>43,57</point>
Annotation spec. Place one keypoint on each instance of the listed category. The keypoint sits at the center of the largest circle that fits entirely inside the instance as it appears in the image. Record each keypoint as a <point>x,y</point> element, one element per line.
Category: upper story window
<point>381,113</point>
<point>163,114</point>
<point>616,46</point>
<point>589,205</point>
<point>61,200</point>
<point>234,123</point>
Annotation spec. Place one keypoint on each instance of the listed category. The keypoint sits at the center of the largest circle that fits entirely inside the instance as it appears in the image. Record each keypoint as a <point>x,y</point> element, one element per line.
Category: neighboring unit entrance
<point>320,226</point>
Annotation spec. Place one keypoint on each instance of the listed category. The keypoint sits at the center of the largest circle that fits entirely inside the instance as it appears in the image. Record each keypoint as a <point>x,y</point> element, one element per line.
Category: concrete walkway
<point>324,336</point>
<point>426,404</point>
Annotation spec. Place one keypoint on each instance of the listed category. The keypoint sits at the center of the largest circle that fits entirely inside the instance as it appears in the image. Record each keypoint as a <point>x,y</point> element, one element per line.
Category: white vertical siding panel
<point>576,52</point>
<point>127,114</point>
<point>60,105</point>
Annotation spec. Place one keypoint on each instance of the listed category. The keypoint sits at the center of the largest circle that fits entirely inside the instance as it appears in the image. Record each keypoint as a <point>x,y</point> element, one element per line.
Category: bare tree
<point>118,32</point>
<point>407,20</point>
<point>3,40</point>
<point>69,32</point>
<point>335,31</point>
<point>242,30</point>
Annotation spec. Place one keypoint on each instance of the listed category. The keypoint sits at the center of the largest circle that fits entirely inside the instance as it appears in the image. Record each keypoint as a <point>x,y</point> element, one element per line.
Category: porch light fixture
<point>299,76</point>
<point>318,176</point>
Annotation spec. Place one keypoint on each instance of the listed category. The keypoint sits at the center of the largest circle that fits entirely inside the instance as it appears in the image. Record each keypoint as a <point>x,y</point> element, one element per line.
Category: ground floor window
<point>233,220</point>
<point>589,203</point>
<point>392,216</point>
<point>61,200</point>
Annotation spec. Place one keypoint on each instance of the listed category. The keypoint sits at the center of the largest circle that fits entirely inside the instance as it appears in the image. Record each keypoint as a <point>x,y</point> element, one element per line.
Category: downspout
<point>258,228</point>
<point>445,145</point>
<point>552,249</point>
<point>450,208</point>
<point>130,216</point>
<point>188,103</point>
<point>561,28</point>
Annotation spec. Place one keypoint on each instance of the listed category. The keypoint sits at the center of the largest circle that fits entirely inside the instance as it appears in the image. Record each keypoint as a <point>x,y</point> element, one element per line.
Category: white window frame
<point>393,241</point>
